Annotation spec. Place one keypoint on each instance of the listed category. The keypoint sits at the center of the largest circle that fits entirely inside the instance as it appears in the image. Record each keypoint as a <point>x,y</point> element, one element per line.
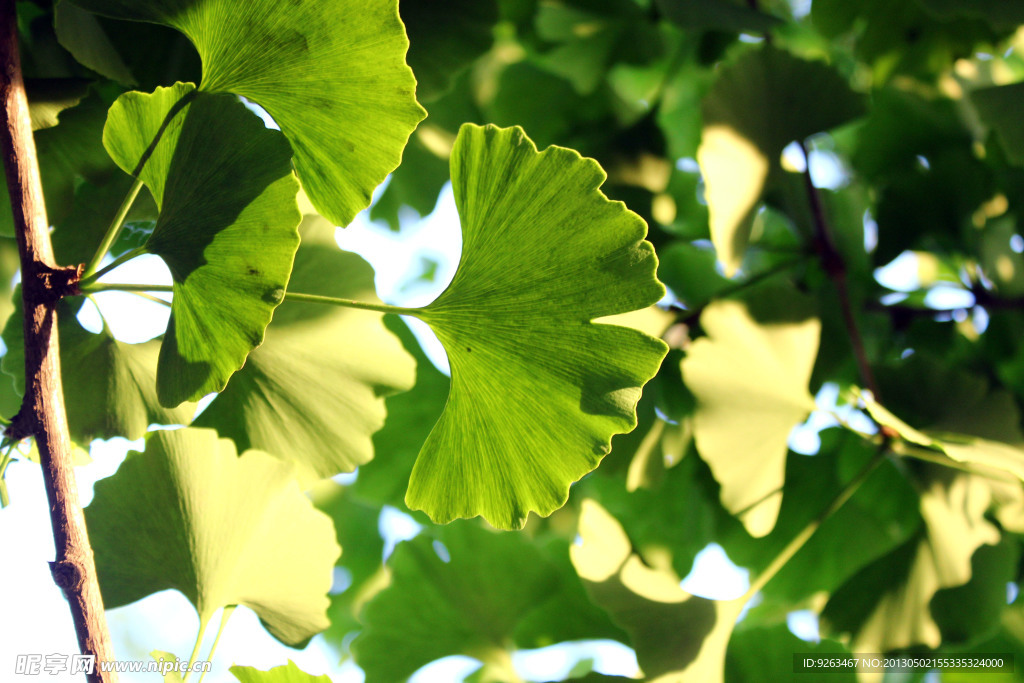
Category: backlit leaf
<point>538,388</point>
<point>677,636</point>
<point>286,673</point>
<point>190,514</point>
<point>332,75</point>
<point>109,386</point>
<point>410,416</point>
<point>886,606</point>
<point>748,120</point>
<point>750,379</point>
<point>997,107</point>
<point>463,593</point>
<point>229,252</point>
<point>313,392</point>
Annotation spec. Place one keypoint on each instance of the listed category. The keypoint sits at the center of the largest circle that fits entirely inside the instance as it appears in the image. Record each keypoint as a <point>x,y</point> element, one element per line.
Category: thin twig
<point>798,541</point>
<point>42,413</point>
<point>835,268</point>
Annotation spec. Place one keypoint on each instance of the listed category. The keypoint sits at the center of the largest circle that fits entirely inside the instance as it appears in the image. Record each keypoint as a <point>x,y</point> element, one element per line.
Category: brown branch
<point>42,413</point>
<point>835,268</point>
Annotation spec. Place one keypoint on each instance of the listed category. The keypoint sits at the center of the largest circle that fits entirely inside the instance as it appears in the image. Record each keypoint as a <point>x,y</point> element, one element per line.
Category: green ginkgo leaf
<point>678,637</point>
<point>313,393</point>
<point>229,251</point>
<point>538,388</point>
<point>81,34</point>
<point>162,656</point>
<point>748,120</point>
<point>190,514</point>
<point>463,592</point>
<point>997,106</point>
<point>332,75</point>
<point>886,606</point>
<point>118,379</point>
<point>410,416</point>
<point>286,673</point>
<point>750,379</point>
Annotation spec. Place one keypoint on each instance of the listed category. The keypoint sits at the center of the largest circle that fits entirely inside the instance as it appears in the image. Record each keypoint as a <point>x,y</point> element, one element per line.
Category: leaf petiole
<point>124,258</point>
<point>349,303</point>
<point>112,231</point>
<point>798,541</point>
<point>93,287</point>
<point>195,650</point>
<point>224,616</point>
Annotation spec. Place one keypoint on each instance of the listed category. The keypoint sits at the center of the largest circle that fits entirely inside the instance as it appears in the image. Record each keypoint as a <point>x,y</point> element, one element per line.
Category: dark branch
<point>835,267</point>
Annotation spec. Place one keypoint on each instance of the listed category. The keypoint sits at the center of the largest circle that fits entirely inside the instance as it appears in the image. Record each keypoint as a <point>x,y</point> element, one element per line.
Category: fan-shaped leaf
<point>109,386</point>
<point>286,673</point>
<point>538,389</point>
<point>230,251</point>
<point>677,636</point>
<point>750,379</point>
<point>902,584</point>
<point>224,530</point>
<point>748,120</point>
<point>313,393</point>
<point>333,76</point>
<point>463,593</point>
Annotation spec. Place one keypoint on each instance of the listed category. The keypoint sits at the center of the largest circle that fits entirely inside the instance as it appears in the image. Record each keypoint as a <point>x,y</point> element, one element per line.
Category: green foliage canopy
<point>762,159</point>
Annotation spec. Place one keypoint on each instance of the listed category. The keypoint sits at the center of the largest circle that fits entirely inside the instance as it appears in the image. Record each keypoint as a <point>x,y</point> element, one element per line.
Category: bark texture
<point>42,413</point>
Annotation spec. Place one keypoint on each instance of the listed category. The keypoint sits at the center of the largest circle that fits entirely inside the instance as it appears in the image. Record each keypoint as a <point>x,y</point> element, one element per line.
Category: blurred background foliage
<point>835,192</point>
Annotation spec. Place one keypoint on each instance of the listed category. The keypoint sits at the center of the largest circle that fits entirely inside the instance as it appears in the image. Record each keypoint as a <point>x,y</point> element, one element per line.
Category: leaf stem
<point>94,287</point>
<point>113,230</point>
<point>122,259</point>
<point>801,538</point>
<point>691,315</point>
<point>349,303</point>
<point>195,650</point>
<point>224,616</point>
<point>5,460</point>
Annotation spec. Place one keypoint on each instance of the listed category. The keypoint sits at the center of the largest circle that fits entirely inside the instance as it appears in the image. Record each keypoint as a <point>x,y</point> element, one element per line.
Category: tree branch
<point>42,413</point>
<point>835,268</point>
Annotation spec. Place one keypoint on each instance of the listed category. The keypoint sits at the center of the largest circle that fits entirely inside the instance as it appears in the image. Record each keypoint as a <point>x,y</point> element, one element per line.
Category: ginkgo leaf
<point>750,379</point>
<point>538,388</point>
<point>997,107</point>
<point>678,637</point>
<point>410,416</point>
<point>229,251</point>
<point>286,673</point>
<point>332,75</point>
<point>80,34</point>
<point>963,448</point>
<point>190,514</point>
<point>356,526</point>
<point>48,97</point>
<point>163,656</point>
<point>313,392</point>
<point>119,379</point>
<point>766,655</point>
<point>717,14</point>
<point>902,584</point>
<point>461,593</point>
<point>443,43</point>
<point>748,120</point>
